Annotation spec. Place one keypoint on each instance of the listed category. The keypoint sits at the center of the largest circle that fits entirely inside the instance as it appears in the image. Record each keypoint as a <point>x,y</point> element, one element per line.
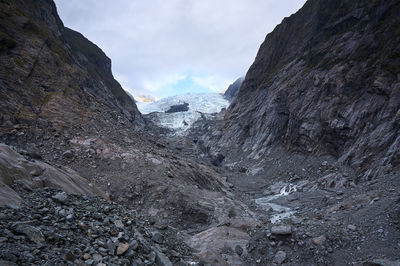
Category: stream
<point>279,212</point>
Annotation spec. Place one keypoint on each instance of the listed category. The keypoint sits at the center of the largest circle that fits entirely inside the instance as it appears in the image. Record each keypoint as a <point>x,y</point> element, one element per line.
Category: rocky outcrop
<point>326,80</point>
<point>32,174</point>
<point>53,79</point>
<point>184,107</point>
<point>233,89</point>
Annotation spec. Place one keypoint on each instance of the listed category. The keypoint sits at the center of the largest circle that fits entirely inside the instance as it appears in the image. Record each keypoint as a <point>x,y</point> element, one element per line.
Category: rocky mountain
<point>325,81</point>
<point>67,124</point>
<point>318,114</point>
<point>233,89</point>
<point>52,77</point>
<point>301,169</point>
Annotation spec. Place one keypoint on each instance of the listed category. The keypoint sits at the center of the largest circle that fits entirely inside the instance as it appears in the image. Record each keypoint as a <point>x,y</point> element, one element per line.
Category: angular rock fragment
<point>281,230</point>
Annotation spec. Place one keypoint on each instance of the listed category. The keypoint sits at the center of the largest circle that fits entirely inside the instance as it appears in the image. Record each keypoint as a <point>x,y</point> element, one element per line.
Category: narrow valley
<point>298,163</point>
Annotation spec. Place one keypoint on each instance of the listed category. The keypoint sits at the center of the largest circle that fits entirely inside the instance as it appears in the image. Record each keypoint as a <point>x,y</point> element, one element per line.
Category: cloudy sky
<point>167,47</point>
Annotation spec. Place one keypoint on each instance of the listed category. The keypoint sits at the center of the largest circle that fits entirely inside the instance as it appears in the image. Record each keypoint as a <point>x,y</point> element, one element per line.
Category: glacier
<point>201,105</point>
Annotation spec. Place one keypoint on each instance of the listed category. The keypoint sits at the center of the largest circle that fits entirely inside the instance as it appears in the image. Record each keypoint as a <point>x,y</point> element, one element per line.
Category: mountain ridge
<point>310,87</point>
<point>233,89</point>
<point>41,43</point>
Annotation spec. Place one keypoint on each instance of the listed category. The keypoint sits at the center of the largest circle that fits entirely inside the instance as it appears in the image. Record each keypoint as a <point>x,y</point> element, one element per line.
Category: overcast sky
<point>167,47</point>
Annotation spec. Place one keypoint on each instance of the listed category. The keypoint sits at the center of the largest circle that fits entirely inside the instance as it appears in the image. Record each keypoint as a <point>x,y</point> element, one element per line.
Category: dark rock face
<point>326,80</point>
<point>184,107</point>
<point>99,67</point>
<point>53,78</point>
<point>233,89</point>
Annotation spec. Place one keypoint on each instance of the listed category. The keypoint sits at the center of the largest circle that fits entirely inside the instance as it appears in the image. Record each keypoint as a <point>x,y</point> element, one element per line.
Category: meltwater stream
<point>280,212</point>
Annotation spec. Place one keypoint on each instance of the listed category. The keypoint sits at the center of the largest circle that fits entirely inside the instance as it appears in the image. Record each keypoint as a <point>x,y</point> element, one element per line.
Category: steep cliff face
<point>326,80</point>
<point>53,79</point>
<point>233,89</point>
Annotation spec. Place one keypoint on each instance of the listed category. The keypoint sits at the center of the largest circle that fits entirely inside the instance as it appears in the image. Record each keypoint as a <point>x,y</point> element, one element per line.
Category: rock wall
<point>233,89</point>
<point>52,78</point>
<point>326,80</point>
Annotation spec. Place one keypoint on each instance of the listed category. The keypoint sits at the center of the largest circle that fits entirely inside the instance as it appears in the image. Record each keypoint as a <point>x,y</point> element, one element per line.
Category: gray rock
<point>281,230</point>
<point>61,197</point>
<point>86,256</point>
<point>160,259</point>
<point>111,247</point>
<point>158,238</point>
<point>161,225</point>
<point>134,244</point>
<point>152,257</point>
<point>352,227</point>
<point>33,233</point>
<point>118,223</point>
<point>63,213</point>
<point>97,257</point>
<point>67,154</point>
<point>279,257</point>
<point>296,220</point>
<point>103,251</point>
<point>239,250</point>
<point>292,197</point>
<point>320,240</point>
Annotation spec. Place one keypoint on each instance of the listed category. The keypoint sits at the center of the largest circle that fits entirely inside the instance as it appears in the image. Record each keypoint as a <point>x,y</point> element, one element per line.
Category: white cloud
<point>215,83</point>
<point>154,42</point>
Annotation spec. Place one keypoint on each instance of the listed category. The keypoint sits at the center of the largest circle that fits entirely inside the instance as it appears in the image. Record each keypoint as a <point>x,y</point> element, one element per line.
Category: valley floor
<point>309,211</point>
<point>289,209</point>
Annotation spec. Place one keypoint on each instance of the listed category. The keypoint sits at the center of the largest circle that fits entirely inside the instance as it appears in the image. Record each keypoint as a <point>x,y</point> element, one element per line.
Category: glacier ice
<point>199,103</point>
